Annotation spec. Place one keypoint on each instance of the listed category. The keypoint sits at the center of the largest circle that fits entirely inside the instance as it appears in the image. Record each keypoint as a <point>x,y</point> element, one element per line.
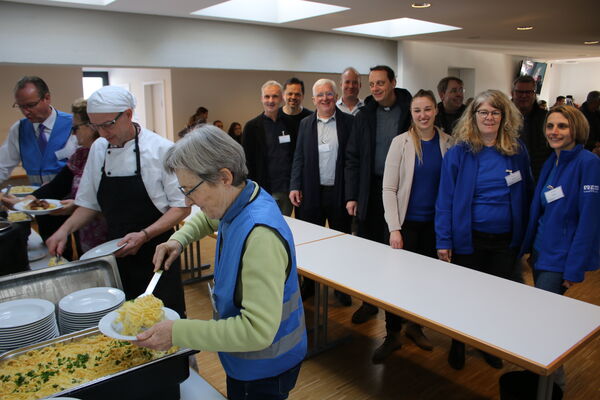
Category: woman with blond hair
<point>563,234</point>
<point>484,195</point>
<point>410,183</point>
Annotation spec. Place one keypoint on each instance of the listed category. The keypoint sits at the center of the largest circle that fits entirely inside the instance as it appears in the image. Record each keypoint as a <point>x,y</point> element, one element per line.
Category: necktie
<point>42,142</point>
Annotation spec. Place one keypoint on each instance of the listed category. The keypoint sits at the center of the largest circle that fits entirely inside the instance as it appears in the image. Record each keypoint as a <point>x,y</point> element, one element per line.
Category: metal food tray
<point>54,283</point>
<point>158,378</point>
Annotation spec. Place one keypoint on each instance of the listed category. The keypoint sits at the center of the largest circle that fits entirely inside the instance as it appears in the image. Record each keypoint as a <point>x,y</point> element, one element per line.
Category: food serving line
<point>529,327</point>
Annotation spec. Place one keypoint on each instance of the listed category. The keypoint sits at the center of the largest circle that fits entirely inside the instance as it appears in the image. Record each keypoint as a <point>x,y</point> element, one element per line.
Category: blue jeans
<point>550,281</point>
<point>274,388</point>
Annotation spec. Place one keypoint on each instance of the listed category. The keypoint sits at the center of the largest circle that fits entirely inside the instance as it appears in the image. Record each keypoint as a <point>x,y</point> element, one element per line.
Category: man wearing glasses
<point>532,132</point>
<point>452,93</point>
<point>41,141</point>
<point>124,179</point>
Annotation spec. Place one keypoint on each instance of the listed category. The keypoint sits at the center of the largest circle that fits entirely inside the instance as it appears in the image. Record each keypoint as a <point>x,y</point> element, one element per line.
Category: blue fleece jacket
<point>453,208</point>
<point>571,234</point>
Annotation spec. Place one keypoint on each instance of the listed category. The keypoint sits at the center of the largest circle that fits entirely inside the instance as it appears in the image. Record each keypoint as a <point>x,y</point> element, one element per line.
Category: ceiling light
<point>397,27</point>
<point>524,28</point>
<point>273,11</point>
<point>592,42</point>
<point>420,5</point>
<point>87,2</point>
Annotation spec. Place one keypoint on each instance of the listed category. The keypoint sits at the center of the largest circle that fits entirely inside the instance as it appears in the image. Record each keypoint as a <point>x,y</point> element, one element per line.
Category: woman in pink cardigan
<point>410,184</point>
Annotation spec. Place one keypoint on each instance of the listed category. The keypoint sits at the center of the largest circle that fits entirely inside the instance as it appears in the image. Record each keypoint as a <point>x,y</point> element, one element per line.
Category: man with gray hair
<point>269,142</point>
<point>124,180</point>
<point>317,181</point>
<point>350,83</point>
<point>591,109</point>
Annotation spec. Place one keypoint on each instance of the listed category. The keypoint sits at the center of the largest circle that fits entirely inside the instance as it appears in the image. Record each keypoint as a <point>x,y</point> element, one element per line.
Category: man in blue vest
<point>42,140</point>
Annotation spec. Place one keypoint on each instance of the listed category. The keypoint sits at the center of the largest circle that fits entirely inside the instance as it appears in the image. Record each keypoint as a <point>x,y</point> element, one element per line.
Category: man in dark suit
<point>269,145</point>
<point>317,182</point>
<point>386,114</point>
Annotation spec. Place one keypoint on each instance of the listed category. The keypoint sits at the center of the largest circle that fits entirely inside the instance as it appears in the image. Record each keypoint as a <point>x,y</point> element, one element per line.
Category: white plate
<point>22,190</point>
<point>24,311</point>
<point>110,328</point>
<point>22,206</point>
<point>103,249</point>
<point>36,249</point>
<point>91,300</point>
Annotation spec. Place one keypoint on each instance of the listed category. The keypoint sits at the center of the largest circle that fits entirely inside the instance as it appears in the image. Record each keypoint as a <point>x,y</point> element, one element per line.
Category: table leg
<point>544,391</point>
<point>325,315</point>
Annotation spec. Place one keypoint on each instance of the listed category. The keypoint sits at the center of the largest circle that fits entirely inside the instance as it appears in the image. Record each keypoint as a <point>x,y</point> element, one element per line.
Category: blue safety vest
<point>35,163</point>
<point>289,345</point>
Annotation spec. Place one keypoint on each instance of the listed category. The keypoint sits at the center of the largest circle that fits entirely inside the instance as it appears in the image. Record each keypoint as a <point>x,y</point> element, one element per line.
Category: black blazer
<point>360,152</point>
<point>305,169</point>
<point>255,148</point>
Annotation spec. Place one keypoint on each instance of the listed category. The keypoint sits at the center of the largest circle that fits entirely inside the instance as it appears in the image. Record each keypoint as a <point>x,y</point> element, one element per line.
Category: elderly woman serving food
<point>258,328</point>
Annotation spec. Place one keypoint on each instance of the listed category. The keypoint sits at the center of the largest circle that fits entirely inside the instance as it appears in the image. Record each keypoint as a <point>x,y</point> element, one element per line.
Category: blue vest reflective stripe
<point>289,345</point>
<point>35,163</point>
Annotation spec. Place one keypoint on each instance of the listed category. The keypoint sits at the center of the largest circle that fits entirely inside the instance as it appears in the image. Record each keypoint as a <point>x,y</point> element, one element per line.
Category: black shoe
<point>492,361</point>
<point>415,333</point>
<point>343,298</point>
<point>456,356</point>
<point>364,313</point>
<point>389,345</point>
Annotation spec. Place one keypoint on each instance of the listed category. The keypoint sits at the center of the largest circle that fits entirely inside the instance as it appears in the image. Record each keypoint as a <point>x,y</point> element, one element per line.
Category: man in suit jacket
<point>317,182</point>
<point>269,144</point>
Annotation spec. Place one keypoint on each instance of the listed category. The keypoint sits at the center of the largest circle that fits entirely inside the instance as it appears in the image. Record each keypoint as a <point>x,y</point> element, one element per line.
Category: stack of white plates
<point>26,321</point>
<point>84,308</point>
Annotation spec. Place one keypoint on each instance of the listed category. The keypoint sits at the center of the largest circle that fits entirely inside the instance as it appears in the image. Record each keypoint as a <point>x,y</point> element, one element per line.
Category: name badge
<point>513,178</point>
<point>284,139</point>
<point>554,194</point>
<point>324,148</point>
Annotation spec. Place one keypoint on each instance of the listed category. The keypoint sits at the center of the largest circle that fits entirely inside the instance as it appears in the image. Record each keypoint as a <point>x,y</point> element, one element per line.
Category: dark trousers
<point>330,211</point>
<point>418,237</point>
<point>273,388</point>
<point>373,226</point>
<point>492,254</point>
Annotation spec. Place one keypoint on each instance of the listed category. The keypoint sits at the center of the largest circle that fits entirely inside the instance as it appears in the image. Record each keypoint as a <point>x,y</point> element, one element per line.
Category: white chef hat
<point>109,99</point>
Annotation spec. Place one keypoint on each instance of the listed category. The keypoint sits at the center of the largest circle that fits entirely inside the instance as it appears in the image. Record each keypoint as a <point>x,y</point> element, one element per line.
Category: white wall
<point>88,37</point>
<point>575,79</point>
<point>422,65</point>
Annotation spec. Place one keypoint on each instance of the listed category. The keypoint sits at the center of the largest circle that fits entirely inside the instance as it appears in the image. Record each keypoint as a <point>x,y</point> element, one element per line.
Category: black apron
<point>127,208</point>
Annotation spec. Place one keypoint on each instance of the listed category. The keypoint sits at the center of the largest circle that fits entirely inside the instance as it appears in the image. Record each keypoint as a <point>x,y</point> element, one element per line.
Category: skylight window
<point>273,11</point>
<point>397,27</point>
<point>87,2</point>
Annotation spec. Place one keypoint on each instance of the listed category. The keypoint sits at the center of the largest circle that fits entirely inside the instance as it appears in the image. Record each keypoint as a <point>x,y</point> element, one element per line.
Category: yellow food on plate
<point>18,216</point>
<point>56,261</point>
<point>139,314</point>
<point>43,372</point>
<point>39,204</point>
<point>22,189</point>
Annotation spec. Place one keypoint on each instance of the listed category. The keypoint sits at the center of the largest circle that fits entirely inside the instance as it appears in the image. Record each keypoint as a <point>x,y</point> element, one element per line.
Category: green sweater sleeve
<point>264,264</point>
<point>195,229</point>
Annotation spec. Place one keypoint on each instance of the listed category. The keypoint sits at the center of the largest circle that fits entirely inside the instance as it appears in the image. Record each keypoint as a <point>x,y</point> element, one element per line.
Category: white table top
<point>305,232</point>
<point>530,327</point>
<point>196,388</point>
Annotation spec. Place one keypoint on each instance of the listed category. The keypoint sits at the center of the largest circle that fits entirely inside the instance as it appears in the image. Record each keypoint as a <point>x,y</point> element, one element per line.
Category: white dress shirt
<point>10,152</point>
<point>328,149</point>
<point>161,186</point>
<point>340,104</point>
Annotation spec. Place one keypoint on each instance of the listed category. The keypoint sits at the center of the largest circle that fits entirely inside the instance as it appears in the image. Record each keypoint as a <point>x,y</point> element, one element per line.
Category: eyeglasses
<point>27,106</point>
<point>107,124</point>
<point>325,94</point>
<point>457,90</point>
<point>485,113</point>
<point>75,128</point>
<point>187,194</point>
<point>524,92</point>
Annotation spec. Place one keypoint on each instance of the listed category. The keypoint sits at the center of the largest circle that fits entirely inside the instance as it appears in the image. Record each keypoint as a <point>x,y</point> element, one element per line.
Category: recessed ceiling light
<point>273,11</point>
<point>420,5</point>
<point>87,2</point>
<point>397,27</point>
<point>592,42</point>
<point>524,28</point>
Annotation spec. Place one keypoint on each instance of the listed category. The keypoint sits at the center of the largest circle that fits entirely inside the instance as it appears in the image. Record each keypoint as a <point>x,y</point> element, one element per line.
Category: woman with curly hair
<point>484,195</point>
